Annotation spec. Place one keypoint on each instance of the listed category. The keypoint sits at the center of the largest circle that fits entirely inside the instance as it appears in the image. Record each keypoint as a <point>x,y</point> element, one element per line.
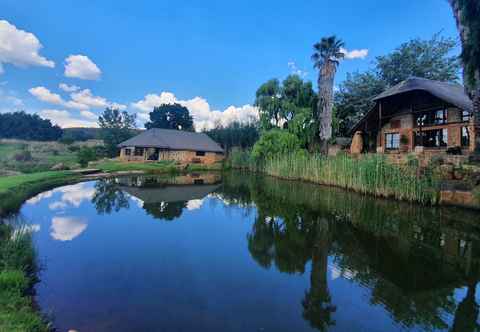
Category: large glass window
<point>431,118</point>
<point>200,153</point>
<point>128,152</point>
<point>432,138</point>
<point>465,136</point>
<point>392,141</point>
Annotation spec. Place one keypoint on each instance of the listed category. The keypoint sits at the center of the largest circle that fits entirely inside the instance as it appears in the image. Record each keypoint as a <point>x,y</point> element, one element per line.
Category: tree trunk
<point>325,103</point>
<point>472,91</point>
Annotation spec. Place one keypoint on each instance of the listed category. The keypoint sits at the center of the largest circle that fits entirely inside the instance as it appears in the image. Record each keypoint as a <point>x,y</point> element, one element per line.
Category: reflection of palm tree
<point>261,241</point>
<point>108,197</point>
<point>467,312</point>
<point>317,303</point>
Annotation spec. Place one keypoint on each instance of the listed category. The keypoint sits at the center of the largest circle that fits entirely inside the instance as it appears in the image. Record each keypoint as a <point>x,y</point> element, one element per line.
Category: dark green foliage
<point>275,142</point>
<point>23,155</point>
<point>170,116</point>
<point>66,140</point>
<point>429,59</point>
<point>236,134</point>
<point>21,125</point>
<point>116,127</point>
<point>279,103</point>
<point>87,154</point>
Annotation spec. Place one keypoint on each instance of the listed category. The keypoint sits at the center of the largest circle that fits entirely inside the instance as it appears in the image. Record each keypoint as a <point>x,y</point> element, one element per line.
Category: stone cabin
<point>417,115</point>
<point>166,144</point>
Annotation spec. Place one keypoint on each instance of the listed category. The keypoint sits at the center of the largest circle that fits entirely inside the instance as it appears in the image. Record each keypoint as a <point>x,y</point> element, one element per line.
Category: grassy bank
<point>17,276</point>
<point>16,189</point>
<point>370,174</point>
<point>159,167</point>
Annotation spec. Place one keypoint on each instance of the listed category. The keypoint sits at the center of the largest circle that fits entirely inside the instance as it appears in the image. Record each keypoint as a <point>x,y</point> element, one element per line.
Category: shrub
<point>66,140</point>
<point>73,148</point>
<point>275,142</point>
<point>87,154</point>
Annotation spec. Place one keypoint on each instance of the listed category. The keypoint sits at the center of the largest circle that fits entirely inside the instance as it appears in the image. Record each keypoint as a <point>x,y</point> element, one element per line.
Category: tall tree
<point>170,116</point>
<point>431,59</point>
<point>467,13</point>
<point>268,100</point>
<point>26,126</point>
<point>116,127</point>
<point>327,56</point>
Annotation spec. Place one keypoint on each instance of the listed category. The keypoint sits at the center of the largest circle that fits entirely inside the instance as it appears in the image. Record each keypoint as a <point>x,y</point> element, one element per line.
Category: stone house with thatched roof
<point>166,144</point>
<point>417,115</point>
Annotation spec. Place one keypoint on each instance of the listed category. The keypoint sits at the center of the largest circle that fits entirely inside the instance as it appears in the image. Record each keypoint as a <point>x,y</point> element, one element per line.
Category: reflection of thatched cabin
<point>165,144</point>
<point>417,115</point>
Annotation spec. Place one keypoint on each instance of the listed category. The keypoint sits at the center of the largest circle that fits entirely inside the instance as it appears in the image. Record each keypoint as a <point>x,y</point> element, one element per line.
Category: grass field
<point>31,156</point>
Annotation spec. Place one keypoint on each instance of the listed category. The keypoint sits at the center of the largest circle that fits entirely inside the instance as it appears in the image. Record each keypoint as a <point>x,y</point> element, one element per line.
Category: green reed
<point>370,174</point>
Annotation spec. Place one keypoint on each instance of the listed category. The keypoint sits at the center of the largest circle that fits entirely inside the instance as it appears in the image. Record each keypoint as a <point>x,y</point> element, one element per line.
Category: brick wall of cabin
<point>404,125</point>
<point>181,156</point>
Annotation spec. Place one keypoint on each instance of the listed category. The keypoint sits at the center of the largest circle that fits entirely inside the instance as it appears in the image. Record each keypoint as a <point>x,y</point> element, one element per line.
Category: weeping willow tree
<point>326,58</point>
<point>467,13</point>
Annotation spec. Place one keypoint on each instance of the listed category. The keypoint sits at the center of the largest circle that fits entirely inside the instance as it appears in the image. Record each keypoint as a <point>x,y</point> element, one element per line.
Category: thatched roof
<point>173,140</point>
<point>450,92</point>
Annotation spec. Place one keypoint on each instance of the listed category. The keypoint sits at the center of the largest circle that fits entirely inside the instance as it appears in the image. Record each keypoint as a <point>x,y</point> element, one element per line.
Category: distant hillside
<point>83,134</point>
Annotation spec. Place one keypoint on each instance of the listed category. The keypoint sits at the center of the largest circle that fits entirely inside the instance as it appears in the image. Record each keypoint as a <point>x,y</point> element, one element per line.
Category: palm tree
<point>466,14</point>
<point>327,56</point>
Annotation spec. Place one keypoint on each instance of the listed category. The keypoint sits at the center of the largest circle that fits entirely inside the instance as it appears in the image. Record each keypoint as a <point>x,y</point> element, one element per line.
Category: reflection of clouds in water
<point>72,195</point>
<point>67,228</point>
<point>35,199</point>
<point>137,200</point>
<point>194,204</point>
<point>345,273</point>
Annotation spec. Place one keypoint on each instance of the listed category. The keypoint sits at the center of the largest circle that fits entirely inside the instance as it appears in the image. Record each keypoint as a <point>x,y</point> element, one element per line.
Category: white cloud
<point>67,228</point>
<point>68,88</point>
<point>46,95</point>
<point>80,66</point>
<point>9,102</point>
<point>65,119</point>
<point>82,100</point>
<point>89,115</point>
<point>354,54</point>
<point>203,116</point>
<point>20,48</point>
<point>295,70</point>
<point>36,199</point>
<point>85,97</point>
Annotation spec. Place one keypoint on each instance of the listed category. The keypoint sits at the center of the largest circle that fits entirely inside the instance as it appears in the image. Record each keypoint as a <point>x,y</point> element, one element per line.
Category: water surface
<point>249,253</point>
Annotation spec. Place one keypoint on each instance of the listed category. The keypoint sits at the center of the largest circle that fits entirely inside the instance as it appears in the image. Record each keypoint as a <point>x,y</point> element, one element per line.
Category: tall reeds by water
<point>370,174</point>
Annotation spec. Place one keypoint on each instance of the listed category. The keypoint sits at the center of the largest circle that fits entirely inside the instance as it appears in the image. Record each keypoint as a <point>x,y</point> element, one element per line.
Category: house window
<point>431,118</point>
<point>436,138</point>
<point>465,116</point>
<point>200,153</point>
<point>465,136</point>
<point>128,152</point>
<point>392,141</point>
<point>138,152</point>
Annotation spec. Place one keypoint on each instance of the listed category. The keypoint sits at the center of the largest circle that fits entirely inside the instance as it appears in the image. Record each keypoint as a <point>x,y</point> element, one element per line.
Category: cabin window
<point>138,152</point>
<point>200,153</point>
<point>392,141</point>
<point>128,152</point>
<point>465,116</point>
<point>436,138</point>
<point>465,136</point>
<point>432,118</point>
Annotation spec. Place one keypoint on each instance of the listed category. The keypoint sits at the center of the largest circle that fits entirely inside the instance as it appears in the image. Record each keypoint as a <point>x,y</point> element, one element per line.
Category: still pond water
<point>249,253</point>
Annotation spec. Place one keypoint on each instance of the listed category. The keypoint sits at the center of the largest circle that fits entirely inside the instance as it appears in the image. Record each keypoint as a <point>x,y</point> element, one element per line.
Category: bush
<point>73,148</point>
<point>87,154</point>
<point>66,140</point>
<point>275,142</point>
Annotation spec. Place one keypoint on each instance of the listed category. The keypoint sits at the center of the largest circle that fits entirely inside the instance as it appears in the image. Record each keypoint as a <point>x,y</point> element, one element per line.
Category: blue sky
<point>209,55</point>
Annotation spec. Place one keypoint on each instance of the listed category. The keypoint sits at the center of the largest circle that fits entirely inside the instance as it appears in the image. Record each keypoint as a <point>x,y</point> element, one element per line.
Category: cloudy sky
<point>68,60</point>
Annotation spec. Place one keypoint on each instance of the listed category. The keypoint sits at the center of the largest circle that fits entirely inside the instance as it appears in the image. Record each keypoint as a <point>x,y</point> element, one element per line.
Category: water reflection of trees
<point>411,258</point>
<point>162,197</point>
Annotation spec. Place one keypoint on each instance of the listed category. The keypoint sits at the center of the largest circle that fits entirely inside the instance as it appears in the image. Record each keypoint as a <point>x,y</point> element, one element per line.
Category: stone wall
<point>180,156</point>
